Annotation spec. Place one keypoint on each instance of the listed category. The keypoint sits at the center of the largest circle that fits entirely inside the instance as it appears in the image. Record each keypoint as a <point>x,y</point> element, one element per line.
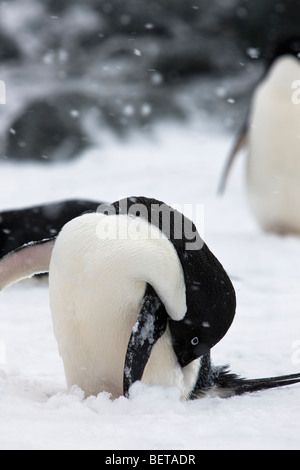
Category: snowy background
<point>177,158</point>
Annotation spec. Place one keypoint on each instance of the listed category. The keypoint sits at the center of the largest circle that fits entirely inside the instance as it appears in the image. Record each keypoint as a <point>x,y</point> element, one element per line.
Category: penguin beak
<point>149,327</point>
<point>185,357</point>
<point>188,342</point>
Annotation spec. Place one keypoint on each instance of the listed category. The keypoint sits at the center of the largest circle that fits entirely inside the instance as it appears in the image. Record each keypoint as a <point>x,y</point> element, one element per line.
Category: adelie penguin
<point>135,294</point>
<point>271,137</point>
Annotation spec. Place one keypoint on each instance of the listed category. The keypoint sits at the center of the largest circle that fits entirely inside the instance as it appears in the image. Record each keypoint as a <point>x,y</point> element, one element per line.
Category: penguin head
<point>282,62</point>
<point>285,46</point>
<point>211,305</point>
<point>209,295</point>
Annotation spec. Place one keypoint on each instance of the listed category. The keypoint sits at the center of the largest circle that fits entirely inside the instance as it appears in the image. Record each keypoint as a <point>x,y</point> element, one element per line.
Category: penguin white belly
<point>91,330</point>
<point>273,172</point>
<point>95,298</point>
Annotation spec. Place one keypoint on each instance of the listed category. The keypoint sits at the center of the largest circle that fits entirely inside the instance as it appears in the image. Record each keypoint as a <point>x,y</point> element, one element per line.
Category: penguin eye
<point>195,341</point>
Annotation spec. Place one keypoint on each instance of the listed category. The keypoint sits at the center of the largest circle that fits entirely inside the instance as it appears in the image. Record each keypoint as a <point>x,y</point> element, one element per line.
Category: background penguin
<point>136,298</point>
<point>21,226</point>
<point>272,137</point>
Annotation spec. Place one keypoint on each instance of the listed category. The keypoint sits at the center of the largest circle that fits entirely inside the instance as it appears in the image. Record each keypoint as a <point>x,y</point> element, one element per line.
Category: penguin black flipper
<point>149,327</point>
<point>239,143</point>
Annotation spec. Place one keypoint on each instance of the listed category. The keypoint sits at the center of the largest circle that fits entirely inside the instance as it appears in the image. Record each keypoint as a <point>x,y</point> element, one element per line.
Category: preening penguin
<point>135,294</point>
<point>207,299</point>
<point>271,136</point>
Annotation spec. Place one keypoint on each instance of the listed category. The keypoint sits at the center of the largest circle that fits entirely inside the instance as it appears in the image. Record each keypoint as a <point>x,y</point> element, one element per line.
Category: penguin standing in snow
<point>272,138</point>
<point>135,294</point>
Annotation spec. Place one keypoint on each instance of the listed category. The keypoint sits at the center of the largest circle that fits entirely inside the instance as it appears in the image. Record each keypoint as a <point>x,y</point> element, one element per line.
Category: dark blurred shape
<point>8,49</point>
<point>75,70</point>
<point>21,226</point>
<point>47,127</point>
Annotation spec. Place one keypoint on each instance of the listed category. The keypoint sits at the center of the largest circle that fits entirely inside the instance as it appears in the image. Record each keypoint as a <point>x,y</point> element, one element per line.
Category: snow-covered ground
<point>180,165</point>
